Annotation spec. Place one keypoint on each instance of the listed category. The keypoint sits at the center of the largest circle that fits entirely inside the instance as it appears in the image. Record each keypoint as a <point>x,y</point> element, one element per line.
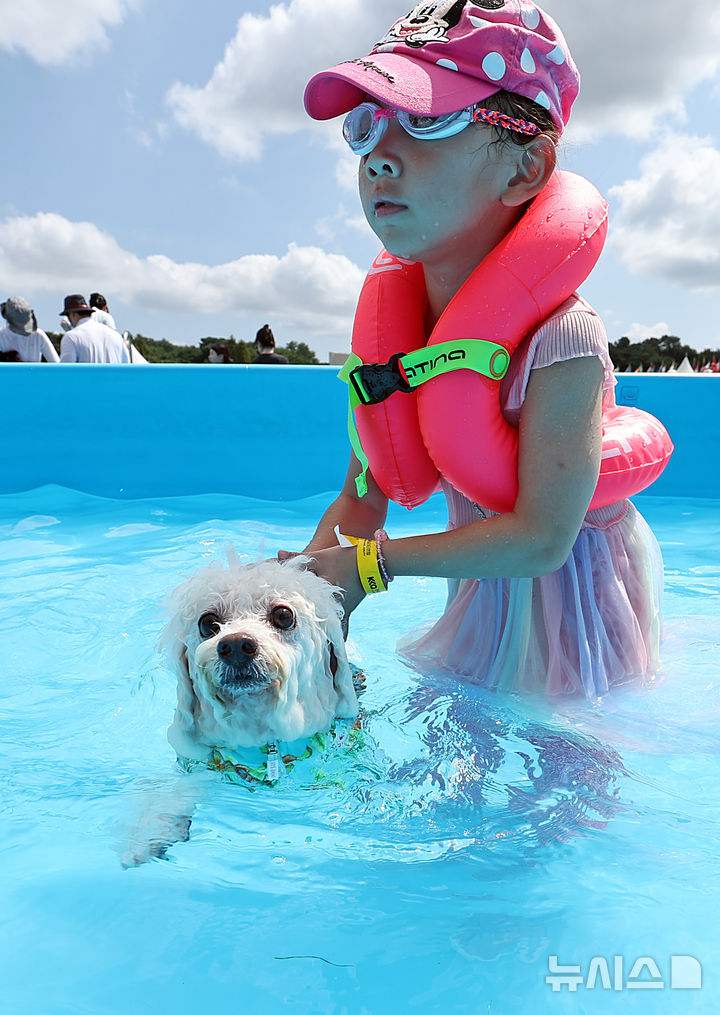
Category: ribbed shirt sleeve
<point>572,331</point>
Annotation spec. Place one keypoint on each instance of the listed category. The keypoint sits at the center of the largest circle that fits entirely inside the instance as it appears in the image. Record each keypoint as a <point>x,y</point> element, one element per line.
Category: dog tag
<point>272,773</point>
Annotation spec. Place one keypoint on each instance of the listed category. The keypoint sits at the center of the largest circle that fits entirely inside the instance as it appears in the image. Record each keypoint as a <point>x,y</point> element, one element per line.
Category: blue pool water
<point>473,837</point>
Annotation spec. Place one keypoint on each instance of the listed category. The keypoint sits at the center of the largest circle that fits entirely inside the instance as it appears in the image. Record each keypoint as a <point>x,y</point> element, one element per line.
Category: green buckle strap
<point>353,362</point>
<point>486,358</point>
<point>371,383</point>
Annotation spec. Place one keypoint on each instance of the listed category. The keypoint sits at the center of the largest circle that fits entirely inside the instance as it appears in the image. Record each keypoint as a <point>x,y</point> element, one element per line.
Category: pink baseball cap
<point>447,55</point>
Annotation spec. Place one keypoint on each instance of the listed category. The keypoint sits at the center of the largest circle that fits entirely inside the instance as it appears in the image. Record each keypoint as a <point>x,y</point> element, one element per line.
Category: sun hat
<point>77,303</point>
<point>19,315</point>
<point>447,55</point>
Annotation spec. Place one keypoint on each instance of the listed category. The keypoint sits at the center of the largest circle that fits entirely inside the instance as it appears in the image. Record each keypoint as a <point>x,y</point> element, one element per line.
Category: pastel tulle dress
<point>593,623</point>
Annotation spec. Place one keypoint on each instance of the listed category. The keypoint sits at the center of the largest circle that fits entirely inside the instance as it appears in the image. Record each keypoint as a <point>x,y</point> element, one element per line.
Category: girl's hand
<point>338,565</point>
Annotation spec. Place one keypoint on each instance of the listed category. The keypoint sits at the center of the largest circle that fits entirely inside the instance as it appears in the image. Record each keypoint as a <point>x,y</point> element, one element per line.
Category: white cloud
<point>257,87</point>
<point>639,332</point>
<point>305,287</point>
<point>668,220</point>
<point>332,226</point>
<point>638,60</point>
<point>54,32</point>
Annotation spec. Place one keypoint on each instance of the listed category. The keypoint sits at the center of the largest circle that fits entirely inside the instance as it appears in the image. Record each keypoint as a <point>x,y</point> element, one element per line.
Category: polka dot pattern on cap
<point>543,100</point>
<point>530,16</point>
<point>494,66</point>
<point>526,62</point>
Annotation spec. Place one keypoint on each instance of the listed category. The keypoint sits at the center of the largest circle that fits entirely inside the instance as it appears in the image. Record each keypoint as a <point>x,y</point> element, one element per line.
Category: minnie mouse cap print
<point>447,55</point>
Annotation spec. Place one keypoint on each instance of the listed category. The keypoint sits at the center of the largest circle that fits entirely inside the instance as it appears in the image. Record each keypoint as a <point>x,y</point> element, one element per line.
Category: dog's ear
<point>347,705</point>
<point>333,659</point>
<point>183,728</point>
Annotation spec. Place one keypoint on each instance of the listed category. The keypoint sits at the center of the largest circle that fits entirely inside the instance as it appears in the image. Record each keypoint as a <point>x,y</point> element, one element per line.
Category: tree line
<point>658,353</point>
<point>162,351</point>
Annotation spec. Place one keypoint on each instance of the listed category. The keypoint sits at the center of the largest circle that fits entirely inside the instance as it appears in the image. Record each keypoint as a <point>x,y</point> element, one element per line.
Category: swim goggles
<point>365,124</point>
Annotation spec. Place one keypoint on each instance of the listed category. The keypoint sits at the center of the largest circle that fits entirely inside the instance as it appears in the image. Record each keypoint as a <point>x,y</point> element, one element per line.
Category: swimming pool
<point>473,838</point>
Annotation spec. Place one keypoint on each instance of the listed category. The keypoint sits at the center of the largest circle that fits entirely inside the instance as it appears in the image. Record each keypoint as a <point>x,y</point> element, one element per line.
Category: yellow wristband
<point>368,567</point>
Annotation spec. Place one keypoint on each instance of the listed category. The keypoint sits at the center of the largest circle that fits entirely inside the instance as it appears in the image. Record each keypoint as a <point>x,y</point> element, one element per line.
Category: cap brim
<point>400,81</point>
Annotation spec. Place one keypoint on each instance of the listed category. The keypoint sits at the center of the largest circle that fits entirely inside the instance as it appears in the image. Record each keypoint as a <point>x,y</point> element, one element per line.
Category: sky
<point>157,151</point>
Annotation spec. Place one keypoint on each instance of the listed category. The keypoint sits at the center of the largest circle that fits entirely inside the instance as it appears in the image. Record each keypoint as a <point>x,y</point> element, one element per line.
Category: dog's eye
<point>209,624</point>
<point>282,617</point>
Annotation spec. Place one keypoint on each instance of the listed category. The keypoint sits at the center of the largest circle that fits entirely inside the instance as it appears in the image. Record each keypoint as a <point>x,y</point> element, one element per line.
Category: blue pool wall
<point>276,433</point>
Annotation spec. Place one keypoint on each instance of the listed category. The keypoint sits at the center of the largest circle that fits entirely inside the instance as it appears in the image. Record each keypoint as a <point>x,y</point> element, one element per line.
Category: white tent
<point>135,355</point>
<point>685,367</point>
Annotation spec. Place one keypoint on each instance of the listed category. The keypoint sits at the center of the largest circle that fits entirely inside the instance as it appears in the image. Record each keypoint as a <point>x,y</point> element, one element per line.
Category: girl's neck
<point>441,286</point>
<point>445,276</point>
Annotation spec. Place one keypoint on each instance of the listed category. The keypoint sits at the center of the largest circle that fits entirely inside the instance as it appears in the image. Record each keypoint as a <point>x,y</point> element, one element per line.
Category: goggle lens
<point>445,125</point>
<point>365,125</point>
<point>361,128</point>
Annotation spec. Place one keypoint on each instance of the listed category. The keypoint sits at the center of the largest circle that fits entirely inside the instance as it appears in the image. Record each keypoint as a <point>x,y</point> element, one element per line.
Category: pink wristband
<point>380,536</point>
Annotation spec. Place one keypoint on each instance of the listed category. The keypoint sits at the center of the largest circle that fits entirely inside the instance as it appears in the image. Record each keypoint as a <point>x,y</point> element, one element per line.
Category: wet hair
<point>98,301</point>
<point>521,108</point>
<point>222,350</point>
<point>265,337</point>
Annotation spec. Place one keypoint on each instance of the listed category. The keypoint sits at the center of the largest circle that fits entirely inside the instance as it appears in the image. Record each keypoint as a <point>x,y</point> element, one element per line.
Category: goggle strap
<point>498,119</point>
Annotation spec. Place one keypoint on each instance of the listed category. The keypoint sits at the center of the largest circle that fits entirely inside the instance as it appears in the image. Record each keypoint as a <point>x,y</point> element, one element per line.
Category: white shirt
<point>30,348</point>
<point>92,342</point>
<point>104,318</point>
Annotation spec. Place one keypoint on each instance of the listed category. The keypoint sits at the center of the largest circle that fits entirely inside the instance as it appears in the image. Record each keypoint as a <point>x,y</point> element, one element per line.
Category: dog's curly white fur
<point>269,662</point>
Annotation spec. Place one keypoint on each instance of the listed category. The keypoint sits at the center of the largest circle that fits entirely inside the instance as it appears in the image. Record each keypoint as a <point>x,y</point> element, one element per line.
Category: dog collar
<point>254,766</point>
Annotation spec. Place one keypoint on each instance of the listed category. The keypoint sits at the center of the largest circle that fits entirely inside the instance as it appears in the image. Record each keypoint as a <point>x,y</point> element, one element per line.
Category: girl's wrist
<point>381,537</point>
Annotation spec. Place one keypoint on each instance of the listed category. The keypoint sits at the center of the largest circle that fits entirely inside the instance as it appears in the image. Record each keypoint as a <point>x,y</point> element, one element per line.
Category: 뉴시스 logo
<point>683,972</point>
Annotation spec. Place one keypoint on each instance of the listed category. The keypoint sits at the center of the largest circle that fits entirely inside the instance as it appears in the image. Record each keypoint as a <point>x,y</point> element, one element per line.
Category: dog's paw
<point>151,839</point>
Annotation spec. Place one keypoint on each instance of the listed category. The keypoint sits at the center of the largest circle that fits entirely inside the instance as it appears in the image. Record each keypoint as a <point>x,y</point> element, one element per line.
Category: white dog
<point>260,658</point>
<point>259,654</point>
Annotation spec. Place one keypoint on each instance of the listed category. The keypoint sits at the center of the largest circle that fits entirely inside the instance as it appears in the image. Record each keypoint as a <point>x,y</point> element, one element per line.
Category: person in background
<point>89,341</point>
<point>22,341</point>
<point>101,313</point>
<point>265,345</point>
<point>219,353</point>
<point>100,310</point>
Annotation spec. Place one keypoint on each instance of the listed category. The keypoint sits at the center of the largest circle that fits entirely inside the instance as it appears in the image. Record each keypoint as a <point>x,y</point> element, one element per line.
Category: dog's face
<point>259,655</point>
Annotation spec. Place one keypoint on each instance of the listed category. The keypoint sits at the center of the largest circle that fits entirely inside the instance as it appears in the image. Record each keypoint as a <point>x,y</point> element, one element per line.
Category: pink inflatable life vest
<point>451,425</point>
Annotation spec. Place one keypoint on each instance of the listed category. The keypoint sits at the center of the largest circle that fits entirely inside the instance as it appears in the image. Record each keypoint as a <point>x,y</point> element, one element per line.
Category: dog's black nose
<point>237,649</point>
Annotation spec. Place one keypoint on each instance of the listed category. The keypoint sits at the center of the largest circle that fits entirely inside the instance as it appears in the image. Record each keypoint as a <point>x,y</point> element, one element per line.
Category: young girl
<point>549,595</point>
